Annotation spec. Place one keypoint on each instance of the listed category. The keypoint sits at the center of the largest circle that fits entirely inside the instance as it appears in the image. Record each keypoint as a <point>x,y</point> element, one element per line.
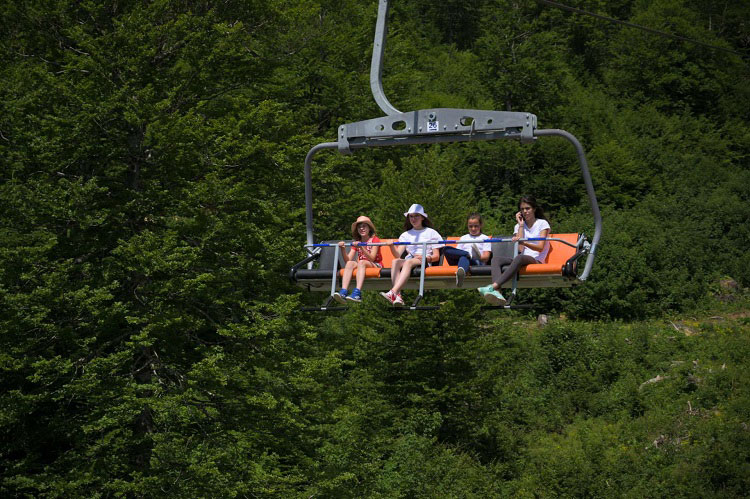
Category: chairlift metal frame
<point>428,126</point>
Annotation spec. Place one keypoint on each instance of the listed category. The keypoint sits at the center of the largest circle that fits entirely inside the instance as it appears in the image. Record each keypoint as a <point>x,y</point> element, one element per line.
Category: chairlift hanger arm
<point>376,67</point>
<point>589,191</point>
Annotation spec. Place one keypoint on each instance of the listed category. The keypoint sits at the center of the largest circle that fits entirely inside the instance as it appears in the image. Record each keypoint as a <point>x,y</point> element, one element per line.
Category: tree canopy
<point>151,177</point>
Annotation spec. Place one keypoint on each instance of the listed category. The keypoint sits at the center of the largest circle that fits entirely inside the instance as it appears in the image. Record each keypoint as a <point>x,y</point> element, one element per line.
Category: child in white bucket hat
<point>417,229</point>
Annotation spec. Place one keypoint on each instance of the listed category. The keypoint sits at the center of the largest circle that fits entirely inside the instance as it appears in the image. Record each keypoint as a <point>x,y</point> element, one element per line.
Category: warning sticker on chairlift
<point>432,126</point>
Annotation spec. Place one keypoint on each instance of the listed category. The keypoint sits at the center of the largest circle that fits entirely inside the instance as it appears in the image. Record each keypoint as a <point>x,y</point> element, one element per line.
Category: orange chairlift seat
<point>437,125</point>
<point>559,270</point>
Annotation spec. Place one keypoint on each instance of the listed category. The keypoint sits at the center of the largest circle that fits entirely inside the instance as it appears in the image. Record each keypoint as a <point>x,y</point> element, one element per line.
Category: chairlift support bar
<point>436,126</point>
<point>447,241</point>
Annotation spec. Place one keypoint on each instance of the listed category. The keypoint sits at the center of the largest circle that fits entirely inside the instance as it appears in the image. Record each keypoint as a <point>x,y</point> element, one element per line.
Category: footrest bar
<point>322,309</point>
<point>494,307</point>
<point>408,309</point>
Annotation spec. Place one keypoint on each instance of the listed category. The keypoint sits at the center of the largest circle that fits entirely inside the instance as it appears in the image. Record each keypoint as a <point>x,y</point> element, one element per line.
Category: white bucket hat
<point>416,208</point>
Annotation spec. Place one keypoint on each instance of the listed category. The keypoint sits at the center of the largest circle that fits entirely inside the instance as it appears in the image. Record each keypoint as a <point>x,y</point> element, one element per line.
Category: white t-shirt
<point>420,236</point>
<point>535,231</point>
<point>474,247</point>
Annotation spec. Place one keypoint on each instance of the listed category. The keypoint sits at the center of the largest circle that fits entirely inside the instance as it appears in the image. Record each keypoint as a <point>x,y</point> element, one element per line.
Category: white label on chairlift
<point>433,126</point>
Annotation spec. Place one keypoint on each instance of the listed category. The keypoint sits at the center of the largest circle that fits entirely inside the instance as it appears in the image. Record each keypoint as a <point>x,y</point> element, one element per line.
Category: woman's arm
<point>397,253</point>
<point>536,245</point>
<point>519,232</point>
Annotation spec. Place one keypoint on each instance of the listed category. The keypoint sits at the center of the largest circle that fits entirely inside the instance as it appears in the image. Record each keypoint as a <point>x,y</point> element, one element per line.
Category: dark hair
<point>531,201</point>
<point>425,223</point>
<point>476,215</point>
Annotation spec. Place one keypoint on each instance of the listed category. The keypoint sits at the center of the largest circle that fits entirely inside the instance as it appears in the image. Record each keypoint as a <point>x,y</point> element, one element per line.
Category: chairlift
<point>438,125</point>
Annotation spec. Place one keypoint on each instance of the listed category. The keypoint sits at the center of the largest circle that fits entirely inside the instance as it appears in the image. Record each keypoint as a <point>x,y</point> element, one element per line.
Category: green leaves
<point>151,177</point>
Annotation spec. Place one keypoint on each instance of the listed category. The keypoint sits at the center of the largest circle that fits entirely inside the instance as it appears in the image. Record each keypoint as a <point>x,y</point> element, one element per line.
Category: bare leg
<point>395,269</point>
<point>347,277</point>
<point>405,273</point>
<point>363,264</point>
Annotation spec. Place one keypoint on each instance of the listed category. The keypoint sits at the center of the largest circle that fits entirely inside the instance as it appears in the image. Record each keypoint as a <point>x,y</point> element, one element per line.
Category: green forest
<point>152,203</point>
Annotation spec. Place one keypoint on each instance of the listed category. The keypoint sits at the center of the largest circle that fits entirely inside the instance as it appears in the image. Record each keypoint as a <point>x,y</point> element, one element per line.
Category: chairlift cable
<point>638,26</point>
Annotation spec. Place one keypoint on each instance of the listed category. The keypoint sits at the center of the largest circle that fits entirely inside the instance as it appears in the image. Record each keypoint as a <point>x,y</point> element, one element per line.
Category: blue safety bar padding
<point>447,241</point>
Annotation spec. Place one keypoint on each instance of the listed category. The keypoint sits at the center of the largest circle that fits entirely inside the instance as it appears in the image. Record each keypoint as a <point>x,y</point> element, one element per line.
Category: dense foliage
<point>152,202</point>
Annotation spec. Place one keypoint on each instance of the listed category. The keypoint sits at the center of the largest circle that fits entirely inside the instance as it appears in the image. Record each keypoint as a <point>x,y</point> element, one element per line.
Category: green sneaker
<point>485,289</point>
<point>495,298</point>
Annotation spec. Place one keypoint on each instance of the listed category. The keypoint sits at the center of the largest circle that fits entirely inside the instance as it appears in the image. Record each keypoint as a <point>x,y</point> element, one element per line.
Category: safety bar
<point>446,241</point>
<point>334,273</point>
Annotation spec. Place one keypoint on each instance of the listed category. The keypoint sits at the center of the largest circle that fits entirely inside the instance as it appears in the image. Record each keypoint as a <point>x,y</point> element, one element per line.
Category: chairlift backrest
<point>507,249</point>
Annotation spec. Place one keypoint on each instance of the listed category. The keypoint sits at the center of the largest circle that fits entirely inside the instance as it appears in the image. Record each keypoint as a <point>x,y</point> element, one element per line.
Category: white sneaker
<point>460,274</point>
<point>390,297</point>
<point>398,302</point>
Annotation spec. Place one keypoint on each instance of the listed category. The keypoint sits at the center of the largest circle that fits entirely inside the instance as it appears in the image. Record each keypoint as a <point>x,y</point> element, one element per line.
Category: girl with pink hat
<point>417,229</point>
<point>363,232</point>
